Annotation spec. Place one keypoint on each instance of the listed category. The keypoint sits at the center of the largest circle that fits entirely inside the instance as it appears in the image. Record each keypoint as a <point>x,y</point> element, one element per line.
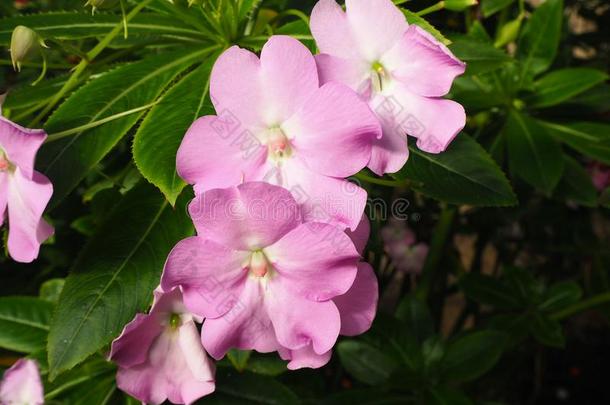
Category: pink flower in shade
<point>600,175</point>
<point>21,384</point>
<point>160,355</point>
<point>399,244</point>
<point>262,278</point>
<point>399,69</point>
<point>24,193</point>
<point>357,307</point>
<point>276,124</point>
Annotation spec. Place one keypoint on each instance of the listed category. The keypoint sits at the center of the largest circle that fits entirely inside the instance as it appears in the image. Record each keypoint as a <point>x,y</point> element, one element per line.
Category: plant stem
<point>381,182</point>
<point>437,245</point>
<point>92,54</point>
<point>435,7</point>
<point>589,303</point>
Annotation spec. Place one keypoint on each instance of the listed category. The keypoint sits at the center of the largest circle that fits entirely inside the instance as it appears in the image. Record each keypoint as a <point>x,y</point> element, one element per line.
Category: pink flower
<point>400,69</point>
<point>275,124</point>
<point>399,244</point>
<point>24,193</point>
<point>160,355</point>
<point>21,384</point>
<point>262,278</point>
<point>357,307</point>
<point>600,175</point>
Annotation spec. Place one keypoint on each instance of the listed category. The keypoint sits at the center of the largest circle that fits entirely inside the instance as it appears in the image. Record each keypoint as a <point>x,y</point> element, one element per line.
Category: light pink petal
<point>3,196</point>
<point>166,375</point>
<point>332,31</point>
<point>360,235</point>
<point>195,356</point>
<point>21,384</point>
<point>247,217</point>
<point>376,26</point>
<point>132,346</point>
<point>288,77</point>
<point>247,326</point>
<point>21,144</point>
<point>422,63</point>
<point>27,200</point>
<point>215,153</point>
<point>235,88</point>
<point>433,121</point>
<point>333,131</point>
<point>322,198</point>
<point>390,153</point>
<point>209,274</point>
<point>299,322</point>
<point>354,73</point>
<point>359,305</point>
<point>305,357</point>
<point>315,261</point>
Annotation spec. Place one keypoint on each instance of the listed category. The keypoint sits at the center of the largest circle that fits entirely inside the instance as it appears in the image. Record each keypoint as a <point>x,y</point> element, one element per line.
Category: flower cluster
<point>276,262</point>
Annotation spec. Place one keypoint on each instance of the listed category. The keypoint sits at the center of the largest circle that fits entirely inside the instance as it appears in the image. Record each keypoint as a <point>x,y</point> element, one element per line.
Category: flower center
<point>379,76</point>
<point>5,164</point>
<point>259,265</point>
<point>278,144</point>
<point>174,321</point>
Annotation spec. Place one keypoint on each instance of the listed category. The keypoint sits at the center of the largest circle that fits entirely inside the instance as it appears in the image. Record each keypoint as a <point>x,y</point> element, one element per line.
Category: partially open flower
<point>160,355</point>
<point>21,384</point>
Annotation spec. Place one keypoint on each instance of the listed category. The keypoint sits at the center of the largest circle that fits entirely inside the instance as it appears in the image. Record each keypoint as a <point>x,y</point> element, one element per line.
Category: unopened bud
<point>24,42</point>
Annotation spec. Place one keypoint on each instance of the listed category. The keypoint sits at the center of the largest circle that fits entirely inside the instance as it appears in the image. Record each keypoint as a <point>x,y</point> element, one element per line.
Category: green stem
<point>435,7</point>
<point>437,246</point>
<point>381,182</point>
<point>252,18</point>
<point>59,135</point>
<point>589,303</point>
<point>92,54</point>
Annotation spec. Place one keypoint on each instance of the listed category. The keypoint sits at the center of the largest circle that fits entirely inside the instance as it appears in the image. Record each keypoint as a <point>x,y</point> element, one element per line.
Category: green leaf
<point>90,383</point>
<point>490,7</point>
<point>533,155</point>
<point>239,358</point>
<point>561,85</point>
<point>67,160</point>
<point>156,143</point>
<point>413,18</point>
<point>266,364</point>
<point>368,396</point>
<point>51,289</point>
<point>78,25</point>
<point>560,295</point>
<point>252,389</point>
<point>446,396</point>
<point>463,174</point>
<point>416,316</point>
<point>547,331</point>
<point>114,276</point>
<point>472,355</point>
<point>479,56</point>
<point>28,95</point>
<point>489,291</point>
<point>24,323</point>
<point>576,185</point>
<point>589,138</point>
<point>540,37</point>
<point>365,362</point>
<point>508,32</point>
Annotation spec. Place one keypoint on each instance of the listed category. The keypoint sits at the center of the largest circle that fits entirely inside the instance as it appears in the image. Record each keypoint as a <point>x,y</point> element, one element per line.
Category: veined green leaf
<point>576,185</point>
<point>589,138</point>
<point>463,174</point>
<point>365,362</point>
<point>77,25</point>
<point>472,355</point>
<point>533,155</point>
<point>561,85</point>
<point>66,161</point>
<point>540,37</point>
<point>114,276</point>
<point>490,7</point>
<point>158,138</point>
<point>24,323</point>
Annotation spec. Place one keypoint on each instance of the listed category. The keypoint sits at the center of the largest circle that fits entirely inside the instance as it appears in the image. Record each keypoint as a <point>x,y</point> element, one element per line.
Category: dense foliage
<point>511,304</point>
